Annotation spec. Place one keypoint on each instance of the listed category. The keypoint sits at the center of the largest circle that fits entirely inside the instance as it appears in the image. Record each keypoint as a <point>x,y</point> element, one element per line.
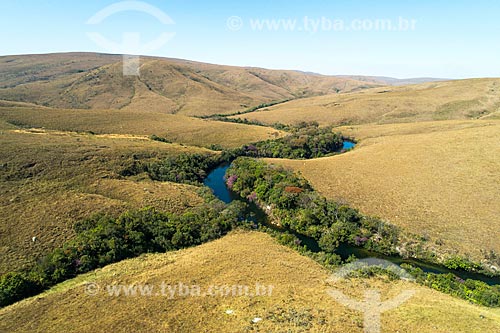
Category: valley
<point>81,142</point>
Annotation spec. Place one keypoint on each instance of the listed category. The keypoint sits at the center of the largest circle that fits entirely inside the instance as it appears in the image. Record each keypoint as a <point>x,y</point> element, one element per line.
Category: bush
<point>461,263</point>
<point>472,290</point>
<point>154,137</point>
<point>16,286</point>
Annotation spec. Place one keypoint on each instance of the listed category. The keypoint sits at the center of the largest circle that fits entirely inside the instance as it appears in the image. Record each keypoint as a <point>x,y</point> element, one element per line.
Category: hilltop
<point>391,81</point>
<point>174,86</point>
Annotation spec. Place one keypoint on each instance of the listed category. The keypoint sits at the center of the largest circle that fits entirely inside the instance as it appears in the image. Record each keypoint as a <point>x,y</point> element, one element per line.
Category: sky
<point>425,38</point>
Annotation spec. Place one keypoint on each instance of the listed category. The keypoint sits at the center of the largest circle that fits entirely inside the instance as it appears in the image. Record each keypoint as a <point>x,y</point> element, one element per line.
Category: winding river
<point>216,182</point>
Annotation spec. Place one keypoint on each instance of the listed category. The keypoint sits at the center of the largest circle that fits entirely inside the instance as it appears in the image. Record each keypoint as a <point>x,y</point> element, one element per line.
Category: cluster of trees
<point>472,290</point>
<point>245,121</point>
<point>155,137</point>
<point>305,141</point>
<point>457,262</point>
<point>302,211</point>
<point>102,240</point>
<point>184,168</point>
<point>220,116</point>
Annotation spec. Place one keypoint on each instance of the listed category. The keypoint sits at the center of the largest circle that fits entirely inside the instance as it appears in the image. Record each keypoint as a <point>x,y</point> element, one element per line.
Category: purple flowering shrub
<point>252,197</point>
<point>360,240</point>
<point>230,181</point>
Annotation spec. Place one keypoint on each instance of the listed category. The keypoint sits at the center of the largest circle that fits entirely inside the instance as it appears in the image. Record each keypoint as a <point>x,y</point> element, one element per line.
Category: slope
<point>88,80</point>
<point>51,179</point>
<point>461,99</point>
<point>176,128</point>
<point>297,302</point>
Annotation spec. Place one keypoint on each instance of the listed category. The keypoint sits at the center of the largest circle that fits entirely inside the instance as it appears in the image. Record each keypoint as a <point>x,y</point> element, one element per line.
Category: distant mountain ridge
<point>391,81</point>
<point>96,81</point>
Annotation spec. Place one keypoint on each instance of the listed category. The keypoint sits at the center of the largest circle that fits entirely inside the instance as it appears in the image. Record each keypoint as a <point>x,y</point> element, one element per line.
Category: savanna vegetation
<point>458,99</point>
<point>49,180</point>
<point>299,302</point>
<point>99,136</point>
<point>293,203</point>
<point>305,141</point>
<point>101,240</point>
<point>299,210</point>
<point>437,179</point>
<point>96,81</point>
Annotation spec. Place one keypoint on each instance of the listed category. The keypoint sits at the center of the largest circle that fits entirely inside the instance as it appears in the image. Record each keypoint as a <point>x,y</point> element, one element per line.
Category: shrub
<point>154,137</point>
<point>461,263</point>
<point>16,286</point>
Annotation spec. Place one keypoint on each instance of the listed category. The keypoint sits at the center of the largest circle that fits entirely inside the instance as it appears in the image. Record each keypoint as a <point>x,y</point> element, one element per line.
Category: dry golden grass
<point>176,128</point>
<point>438,179</point>
<point>88,80</point>
<point>463,99</point>
<point>50,180</point>
<point>299,300</point>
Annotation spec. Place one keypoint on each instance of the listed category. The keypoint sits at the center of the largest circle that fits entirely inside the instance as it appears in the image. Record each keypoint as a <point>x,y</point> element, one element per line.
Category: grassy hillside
<point>88,80</point>
<point>50,180</point>
<point>437,179</point>
<point>299,301</point>
<point>461,99</point>
<point>176,128</point>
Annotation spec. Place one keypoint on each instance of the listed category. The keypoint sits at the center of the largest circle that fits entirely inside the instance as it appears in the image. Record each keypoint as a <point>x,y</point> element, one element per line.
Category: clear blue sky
<point>452,39</point>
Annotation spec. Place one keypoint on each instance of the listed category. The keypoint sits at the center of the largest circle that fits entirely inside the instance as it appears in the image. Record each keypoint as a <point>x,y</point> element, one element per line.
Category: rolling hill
<point>95,81</point>
<point>391,81</point>
<point>176,128</point>
<point>459,99</point>
<point>426,160</point>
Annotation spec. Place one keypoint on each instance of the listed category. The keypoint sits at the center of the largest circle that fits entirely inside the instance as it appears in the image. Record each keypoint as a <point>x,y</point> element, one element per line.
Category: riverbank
<point>217,183</point>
